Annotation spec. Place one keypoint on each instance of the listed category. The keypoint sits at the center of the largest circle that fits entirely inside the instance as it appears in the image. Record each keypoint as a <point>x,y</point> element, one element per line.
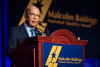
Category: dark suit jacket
<point>16,36</point>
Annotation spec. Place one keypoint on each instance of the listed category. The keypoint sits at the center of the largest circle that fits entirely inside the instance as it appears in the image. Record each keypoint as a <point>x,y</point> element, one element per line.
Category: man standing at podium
<point>27,29</point>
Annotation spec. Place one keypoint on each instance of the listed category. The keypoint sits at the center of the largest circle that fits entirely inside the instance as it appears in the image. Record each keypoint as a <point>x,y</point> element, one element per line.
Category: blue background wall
<point>0,38</point>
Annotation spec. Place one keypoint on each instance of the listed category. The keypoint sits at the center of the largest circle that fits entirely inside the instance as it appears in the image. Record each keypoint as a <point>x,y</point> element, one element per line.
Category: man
<point>27,29</point>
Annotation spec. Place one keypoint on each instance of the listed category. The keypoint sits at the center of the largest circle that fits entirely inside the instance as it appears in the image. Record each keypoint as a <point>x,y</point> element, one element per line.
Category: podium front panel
<point>61,55</point>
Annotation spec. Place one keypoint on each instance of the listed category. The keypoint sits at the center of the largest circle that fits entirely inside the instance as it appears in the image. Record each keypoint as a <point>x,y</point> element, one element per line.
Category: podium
<point>60,49</point>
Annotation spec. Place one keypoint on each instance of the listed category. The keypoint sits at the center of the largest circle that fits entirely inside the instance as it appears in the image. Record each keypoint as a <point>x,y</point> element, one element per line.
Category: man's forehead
<point>33,7</point>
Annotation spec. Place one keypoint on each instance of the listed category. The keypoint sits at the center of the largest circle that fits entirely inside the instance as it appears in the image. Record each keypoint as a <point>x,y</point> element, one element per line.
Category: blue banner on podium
<point>60,55</point>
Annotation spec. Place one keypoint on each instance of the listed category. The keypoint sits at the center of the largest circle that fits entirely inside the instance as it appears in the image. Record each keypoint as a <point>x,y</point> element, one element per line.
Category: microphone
<point>41,25</point>
<point>36,31</point>
<point>46,32</point>
<point>43,33</point>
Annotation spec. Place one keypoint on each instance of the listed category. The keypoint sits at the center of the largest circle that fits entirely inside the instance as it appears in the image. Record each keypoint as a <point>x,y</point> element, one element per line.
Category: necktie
<point>32,32</point>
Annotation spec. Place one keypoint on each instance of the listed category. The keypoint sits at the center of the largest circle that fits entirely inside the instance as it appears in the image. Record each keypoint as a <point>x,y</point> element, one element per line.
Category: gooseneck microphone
<point>46,32</point>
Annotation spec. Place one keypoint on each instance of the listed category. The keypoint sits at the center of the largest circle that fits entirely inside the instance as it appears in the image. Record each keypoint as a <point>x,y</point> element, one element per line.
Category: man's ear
<point>26,15</point>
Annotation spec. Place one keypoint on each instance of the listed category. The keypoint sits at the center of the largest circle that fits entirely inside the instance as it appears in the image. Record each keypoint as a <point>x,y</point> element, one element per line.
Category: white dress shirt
<point>28,30</point>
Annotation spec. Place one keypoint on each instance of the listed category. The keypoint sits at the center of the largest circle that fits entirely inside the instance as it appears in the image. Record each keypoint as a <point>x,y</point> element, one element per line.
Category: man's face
<point>33,16</point>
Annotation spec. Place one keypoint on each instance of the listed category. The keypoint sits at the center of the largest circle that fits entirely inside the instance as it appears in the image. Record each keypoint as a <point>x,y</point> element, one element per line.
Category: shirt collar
<point>27,27</point>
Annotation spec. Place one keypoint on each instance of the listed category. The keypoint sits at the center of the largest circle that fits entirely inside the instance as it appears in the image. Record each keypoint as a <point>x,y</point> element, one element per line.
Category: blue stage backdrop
<point>6,61</point>
<point>0,38</point>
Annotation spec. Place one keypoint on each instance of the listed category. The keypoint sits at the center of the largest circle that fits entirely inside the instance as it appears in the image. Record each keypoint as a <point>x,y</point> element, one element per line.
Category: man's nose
<point>35,16</point>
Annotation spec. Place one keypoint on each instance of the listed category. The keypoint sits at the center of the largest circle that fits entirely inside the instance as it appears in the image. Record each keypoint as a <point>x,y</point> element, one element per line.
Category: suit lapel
<point>24,31</point>
<point>37,32</point>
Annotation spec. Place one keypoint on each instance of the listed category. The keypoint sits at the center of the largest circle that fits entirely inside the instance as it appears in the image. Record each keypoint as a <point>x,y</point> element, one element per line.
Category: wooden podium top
<point>62,36</point>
